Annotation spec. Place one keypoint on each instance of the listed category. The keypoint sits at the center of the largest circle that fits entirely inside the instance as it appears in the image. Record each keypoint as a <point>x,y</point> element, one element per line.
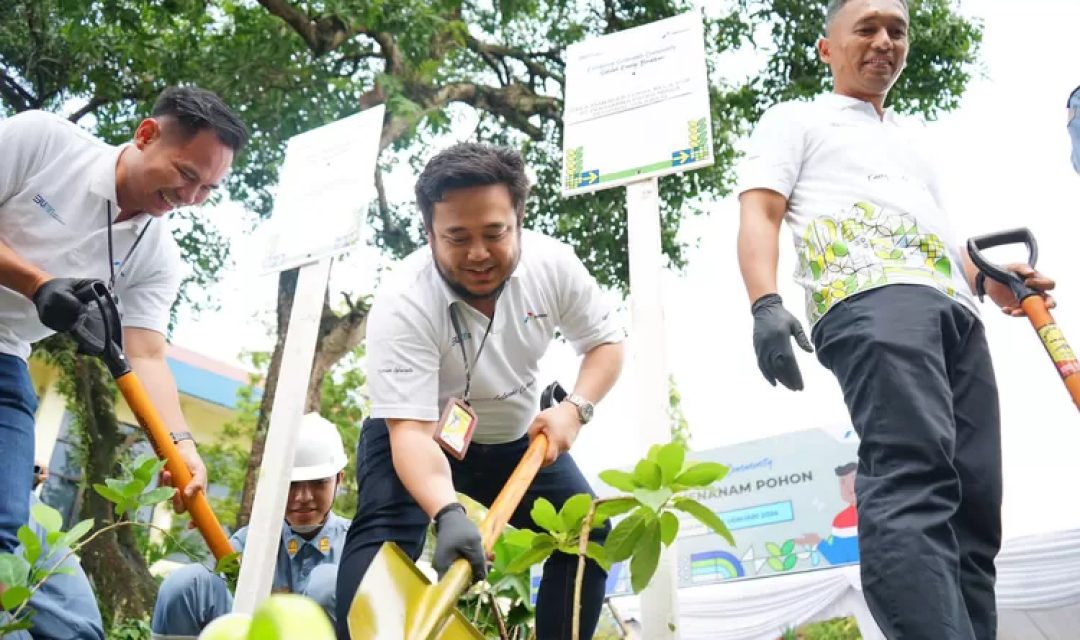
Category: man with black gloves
<point>889,299</point>
<point>454,340</point>
<point>74,209</point>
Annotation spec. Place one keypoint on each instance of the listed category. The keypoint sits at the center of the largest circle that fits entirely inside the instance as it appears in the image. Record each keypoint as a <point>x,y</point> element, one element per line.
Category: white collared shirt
<point>55,182</point>
<point>415,363</point>
<point>864,204</point>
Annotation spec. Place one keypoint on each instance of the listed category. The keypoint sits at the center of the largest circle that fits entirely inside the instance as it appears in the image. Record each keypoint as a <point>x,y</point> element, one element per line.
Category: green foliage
<point>131,493</point>
<point>130,629</point>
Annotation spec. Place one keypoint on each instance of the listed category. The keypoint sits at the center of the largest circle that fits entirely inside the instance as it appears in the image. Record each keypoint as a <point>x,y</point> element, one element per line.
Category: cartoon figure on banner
<point>842,547</point>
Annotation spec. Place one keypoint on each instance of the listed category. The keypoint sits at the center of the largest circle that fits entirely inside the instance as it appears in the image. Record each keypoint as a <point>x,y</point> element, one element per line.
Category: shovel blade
<point>390,600</point>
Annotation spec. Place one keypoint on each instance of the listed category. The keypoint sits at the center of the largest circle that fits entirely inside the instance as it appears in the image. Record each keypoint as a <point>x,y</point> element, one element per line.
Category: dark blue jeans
<point>18,402</point>
<point>386,512</point>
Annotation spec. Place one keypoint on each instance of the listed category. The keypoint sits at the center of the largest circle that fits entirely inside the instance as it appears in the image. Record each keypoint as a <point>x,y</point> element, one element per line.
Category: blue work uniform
<point>192,596</point>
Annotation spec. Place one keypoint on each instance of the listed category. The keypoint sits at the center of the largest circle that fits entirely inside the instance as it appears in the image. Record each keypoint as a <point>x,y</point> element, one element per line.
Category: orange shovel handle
<point>197,505</point>
<point>1057,347</point>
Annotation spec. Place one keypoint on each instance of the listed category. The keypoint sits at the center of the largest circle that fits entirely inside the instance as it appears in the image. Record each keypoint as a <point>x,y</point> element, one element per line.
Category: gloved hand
<point>457,537</point>
<point>57,305</point>
<point>774,327</point>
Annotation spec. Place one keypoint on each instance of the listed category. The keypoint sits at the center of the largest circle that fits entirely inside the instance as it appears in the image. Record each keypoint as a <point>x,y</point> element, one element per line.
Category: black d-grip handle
<point>100,337</point>
<point>552,395</point>
<point>988,269</point>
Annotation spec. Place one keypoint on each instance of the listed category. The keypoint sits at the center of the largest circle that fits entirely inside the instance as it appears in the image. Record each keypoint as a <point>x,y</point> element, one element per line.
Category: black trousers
<point>919,384</point>
<point>386,512</point>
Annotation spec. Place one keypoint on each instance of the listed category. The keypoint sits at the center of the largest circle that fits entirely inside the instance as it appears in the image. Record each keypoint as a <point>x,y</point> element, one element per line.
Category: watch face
<point>586,411</point>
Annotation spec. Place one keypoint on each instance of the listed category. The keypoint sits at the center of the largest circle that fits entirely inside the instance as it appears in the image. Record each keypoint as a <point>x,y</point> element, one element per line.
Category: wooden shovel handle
<point>506,503</point>
<point>160,439</point>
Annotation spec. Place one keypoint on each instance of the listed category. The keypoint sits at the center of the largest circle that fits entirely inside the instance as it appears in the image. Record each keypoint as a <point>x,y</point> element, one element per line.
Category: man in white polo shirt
<point>889,299</point>
<point>73,208</point>
<point>462,324</point>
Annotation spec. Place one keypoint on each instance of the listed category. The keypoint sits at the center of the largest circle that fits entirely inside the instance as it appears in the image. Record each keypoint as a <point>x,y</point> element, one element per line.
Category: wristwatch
<point>180,436</point>
<point>585,409</point>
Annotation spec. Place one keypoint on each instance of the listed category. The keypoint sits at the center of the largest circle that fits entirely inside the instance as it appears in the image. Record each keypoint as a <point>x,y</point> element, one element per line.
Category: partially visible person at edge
<point>74,209</point>
<point>889,300</point>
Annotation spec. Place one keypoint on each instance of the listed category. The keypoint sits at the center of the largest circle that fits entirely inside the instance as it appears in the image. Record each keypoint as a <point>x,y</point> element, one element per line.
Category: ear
<point>824,49</point>
<point>148,131</point>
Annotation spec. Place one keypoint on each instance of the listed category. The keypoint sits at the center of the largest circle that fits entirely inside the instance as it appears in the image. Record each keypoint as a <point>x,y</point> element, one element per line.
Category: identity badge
<point>456,427</point>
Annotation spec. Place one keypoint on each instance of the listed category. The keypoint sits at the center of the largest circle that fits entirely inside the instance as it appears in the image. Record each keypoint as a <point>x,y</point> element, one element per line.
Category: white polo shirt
<point>864,205</point>
<point>415,363</point>
<point>55,181</point>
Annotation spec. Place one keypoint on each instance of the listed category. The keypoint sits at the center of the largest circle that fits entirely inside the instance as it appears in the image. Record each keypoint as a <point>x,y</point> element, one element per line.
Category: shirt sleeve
<point>403,357</point>
<point>585,318</point>
<point>775,153</point>
<point>23,138</point>
<point>148,300</point>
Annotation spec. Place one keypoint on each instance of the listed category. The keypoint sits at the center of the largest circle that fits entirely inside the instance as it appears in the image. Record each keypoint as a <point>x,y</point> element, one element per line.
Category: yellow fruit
<point>290,617</point>
<point>232,626</point>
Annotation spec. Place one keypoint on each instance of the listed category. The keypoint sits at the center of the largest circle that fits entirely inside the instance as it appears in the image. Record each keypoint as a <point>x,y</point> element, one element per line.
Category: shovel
<point>1031,302</point>
<point>395,601</point>
<point>105,341</point>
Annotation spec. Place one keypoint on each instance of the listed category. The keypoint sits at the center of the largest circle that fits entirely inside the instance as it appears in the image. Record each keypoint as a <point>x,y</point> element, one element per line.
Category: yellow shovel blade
<point>391,600</point>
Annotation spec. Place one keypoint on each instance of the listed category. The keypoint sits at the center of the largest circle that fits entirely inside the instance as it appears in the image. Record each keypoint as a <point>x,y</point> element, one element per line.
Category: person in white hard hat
<point>312,537</point>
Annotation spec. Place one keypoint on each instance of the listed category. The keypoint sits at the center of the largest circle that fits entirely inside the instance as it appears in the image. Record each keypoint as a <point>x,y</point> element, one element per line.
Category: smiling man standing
<point>73,208</point>
<point>459,330</point>
<point>889,299</point>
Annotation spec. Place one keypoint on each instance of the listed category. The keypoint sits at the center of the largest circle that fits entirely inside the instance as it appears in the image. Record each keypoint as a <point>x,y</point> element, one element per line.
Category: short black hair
<point>845,469</point>
<point>836,5</point>
<point>472,164</point>
<point>195,109</point>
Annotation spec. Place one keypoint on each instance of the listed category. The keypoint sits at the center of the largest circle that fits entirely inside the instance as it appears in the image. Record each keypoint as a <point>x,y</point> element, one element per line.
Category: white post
<point>272,490</point>
<point>659,604</point>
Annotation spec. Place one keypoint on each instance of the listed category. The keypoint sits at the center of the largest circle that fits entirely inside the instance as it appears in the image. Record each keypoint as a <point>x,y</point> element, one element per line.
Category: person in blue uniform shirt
<point>312,537</point>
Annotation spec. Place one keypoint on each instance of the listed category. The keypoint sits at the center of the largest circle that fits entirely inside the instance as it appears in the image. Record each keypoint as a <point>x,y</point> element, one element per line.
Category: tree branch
<point>321,35</point>
<point>89,107</point>
<point>525,57</point>
<point>516,103</point>
<point>13,93</point>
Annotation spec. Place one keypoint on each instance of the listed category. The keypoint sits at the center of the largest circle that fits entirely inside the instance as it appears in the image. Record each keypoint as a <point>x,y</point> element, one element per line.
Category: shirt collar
<point>103,182</point>
<point>838,101</point>
<point>321,541</point>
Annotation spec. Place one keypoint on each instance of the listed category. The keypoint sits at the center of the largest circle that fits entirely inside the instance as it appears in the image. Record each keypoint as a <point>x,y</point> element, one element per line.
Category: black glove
<point>457,537</point>
<point>773,328</point>
<point>57,304</point>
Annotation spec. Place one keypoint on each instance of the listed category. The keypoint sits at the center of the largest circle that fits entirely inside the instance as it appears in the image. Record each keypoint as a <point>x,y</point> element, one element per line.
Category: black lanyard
<point>112,272</point>
<point>461,343</point>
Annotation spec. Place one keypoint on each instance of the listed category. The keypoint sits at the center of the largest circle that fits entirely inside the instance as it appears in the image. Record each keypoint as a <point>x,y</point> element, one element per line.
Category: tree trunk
<point>122,581</point>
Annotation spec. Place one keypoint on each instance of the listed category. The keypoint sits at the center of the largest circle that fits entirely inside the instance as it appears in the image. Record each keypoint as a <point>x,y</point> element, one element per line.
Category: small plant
<point>654,493</point>
<point>35,562</point>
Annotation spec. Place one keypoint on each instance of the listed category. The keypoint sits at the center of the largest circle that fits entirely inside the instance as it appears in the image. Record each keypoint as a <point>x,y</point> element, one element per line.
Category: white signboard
<point>325,186</point>
<point>637,105</point>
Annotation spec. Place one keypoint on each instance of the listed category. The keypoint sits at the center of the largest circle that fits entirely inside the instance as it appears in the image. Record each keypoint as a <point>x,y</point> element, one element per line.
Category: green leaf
<point>705,516</point>
<point>146,467</point>
<point>13,597</point>
<point>670,458</point>
<point>776,564</point>
<point>528,558</point>
<point>612,508</point>
<point>133,488</point>
<point>31,544</point>
<point>228,563</point>
<point>669,528</point>
<point>109,494</point>
<point>789,562</point>
<point>653,499</point>
<point>574,510</point>
<point>543,513</point>
<point>543,541</point>
<point>773,549</point>
<point>595,552</point>
<point>14,570</point>
<point>646,557</point>
<point>702,474</point>
<point>75,534</point>
<point>624,537</point>
<point>647,474</point>
<point>49,518</point>
<point>520,538</point>
<point>155,496</point>
<point>620,480</point>
<point>788,547</point>
<point>654,452</point>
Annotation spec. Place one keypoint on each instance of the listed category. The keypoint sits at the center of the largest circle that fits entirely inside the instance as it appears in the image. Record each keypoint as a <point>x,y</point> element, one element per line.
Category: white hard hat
<point>319,451</point>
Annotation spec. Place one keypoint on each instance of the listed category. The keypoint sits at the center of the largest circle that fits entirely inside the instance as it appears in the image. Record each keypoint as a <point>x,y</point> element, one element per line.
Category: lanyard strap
<point>461,343</point>
<point>123,263</point>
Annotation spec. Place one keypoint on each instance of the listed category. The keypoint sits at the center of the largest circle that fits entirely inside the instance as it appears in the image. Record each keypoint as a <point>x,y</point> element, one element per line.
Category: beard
<point>463,292</point>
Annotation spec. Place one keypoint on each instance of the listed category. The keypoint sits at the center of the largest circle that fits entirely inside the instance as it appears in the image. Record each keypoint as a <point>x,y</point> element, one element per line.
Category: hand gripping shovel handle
<point>443,597</point>
<point>1031,302</point>
<point>109,348</point>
